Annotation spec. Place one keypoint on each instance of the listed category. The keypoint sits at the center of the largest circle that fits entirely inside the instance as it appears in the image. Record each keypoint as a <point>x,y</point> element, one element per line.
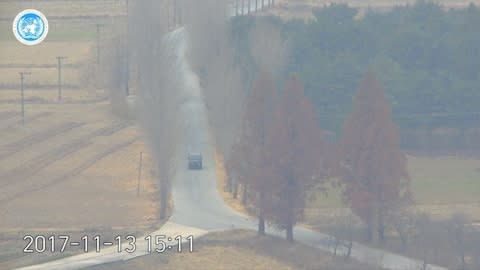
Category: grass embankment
<point>221,174</point>
<point>239,249</point>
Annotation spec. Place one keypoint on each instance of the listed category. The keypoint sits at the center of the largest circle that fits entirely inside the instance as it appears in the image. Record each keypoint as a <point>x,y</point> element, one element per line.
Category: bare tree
<point>404,223</point>
<point>457,234</point>
<point>342,234</point>
<point>157,87</point>
<point>211,55</point>
<point>206,23</point>
<point>113,70</point>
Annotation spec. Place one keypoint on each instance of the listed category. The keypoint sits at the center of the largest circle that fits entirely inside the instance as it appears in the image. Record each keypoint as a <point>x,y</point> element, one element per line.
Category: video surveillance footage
<point>240,134</point>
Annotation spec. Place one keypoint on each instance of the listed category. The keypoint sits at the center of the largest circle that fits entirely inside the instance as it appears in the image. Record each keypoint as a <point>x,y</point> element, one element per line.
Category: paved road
<point>198,207</point>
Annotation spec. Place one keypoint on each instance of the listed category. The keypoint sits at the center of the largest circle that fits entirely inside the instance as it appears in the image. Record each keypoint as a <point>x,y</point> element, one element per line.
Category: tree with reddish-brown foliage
<point>372,167</point>
<point>296,150</point>
<point>250,160</point>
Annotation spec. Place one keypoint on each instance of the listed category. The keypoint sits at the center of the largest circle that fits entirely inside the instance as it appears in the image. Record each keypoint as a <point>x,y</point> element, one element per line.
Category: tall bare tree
<point>157,87</point>
<point>211,55</point>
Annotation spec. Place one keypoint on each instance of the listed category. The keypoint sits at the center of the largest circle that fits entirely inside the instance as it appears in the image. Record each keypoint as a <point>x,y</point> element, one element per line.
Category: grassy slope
<point>238,250</point>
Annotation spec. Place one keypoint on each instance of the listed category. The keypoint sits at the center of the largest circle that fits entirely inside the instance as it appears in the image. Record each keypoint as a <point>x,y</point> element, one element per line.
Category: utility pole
<point>127,58</point>
<point>180,12</point>
<point>139,173</point>
<point>22,78</point>
<point>236,7</point>
<point>59,68</point>
<point>168,16</point>
<point>174,13</point>
<point>98,41</point>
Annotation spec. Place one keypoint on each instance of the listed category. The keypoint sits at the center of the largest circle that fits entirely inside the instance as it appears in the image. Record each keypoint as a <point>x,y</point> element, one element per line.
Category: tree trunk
<point>261,225</point>
<point>235,189</point>
<point>163,197</point>
<point>256,6</point>
<point>464,263</point>
<point>349,249</point>
<point>369,231</point>
<point>335,247</point>
<point>381,223</point>
<point>244,194</point>
<point>381,232</point>
<point>174,13</point>
<point>290,207</point>
<point>228,185</point>
<point>180,14</point>
<point>261,213</point>
<point>403,238</point>
<point>289,232</point>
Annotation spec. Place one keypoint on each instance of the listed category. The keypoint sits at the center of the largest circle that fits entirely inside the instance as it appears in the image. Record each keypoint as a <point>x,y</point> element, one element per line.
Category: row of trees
<point>425,54</point>
<point>281,152</point>
<point>278,154</point>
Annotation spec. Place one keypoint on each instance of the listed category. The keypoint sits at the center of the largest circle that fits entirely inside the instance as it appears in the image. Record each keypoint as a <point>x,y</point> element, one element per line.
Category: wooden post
<point>139,173</point>
<point>59,79</point>
<point>22,96</point>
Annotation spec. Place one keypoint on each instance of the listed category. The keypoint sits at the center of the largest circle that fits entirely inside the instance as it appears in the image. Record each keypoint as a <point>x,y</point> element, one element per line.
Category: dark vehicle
<point>195,161</point>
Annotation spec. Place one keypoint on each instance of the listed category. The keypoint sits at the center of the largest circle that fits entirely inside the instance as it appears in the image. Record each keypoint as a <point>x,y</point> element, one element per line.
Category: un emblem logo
<point>30,27</point>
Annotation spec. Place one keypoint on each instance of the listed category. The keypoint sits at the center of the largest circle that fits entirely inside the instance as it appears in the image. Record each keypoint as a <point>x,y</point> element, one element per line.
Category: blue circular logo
<point>30,27</point>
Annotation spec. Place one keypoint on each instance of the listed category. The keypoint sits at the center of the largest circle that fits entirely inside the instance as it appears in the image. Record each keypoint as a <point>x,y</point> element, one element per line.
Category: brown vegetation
<point>239,250</point>
<point>372,166</point>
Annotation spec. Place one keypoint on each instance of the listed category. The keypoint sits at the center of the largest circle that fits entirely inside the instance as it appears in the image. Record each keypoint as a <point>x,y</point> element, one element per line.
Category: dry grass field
<point>238,250</point>
<point>72,168</point>
<point>66,8</point>
<point>441,186</point>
